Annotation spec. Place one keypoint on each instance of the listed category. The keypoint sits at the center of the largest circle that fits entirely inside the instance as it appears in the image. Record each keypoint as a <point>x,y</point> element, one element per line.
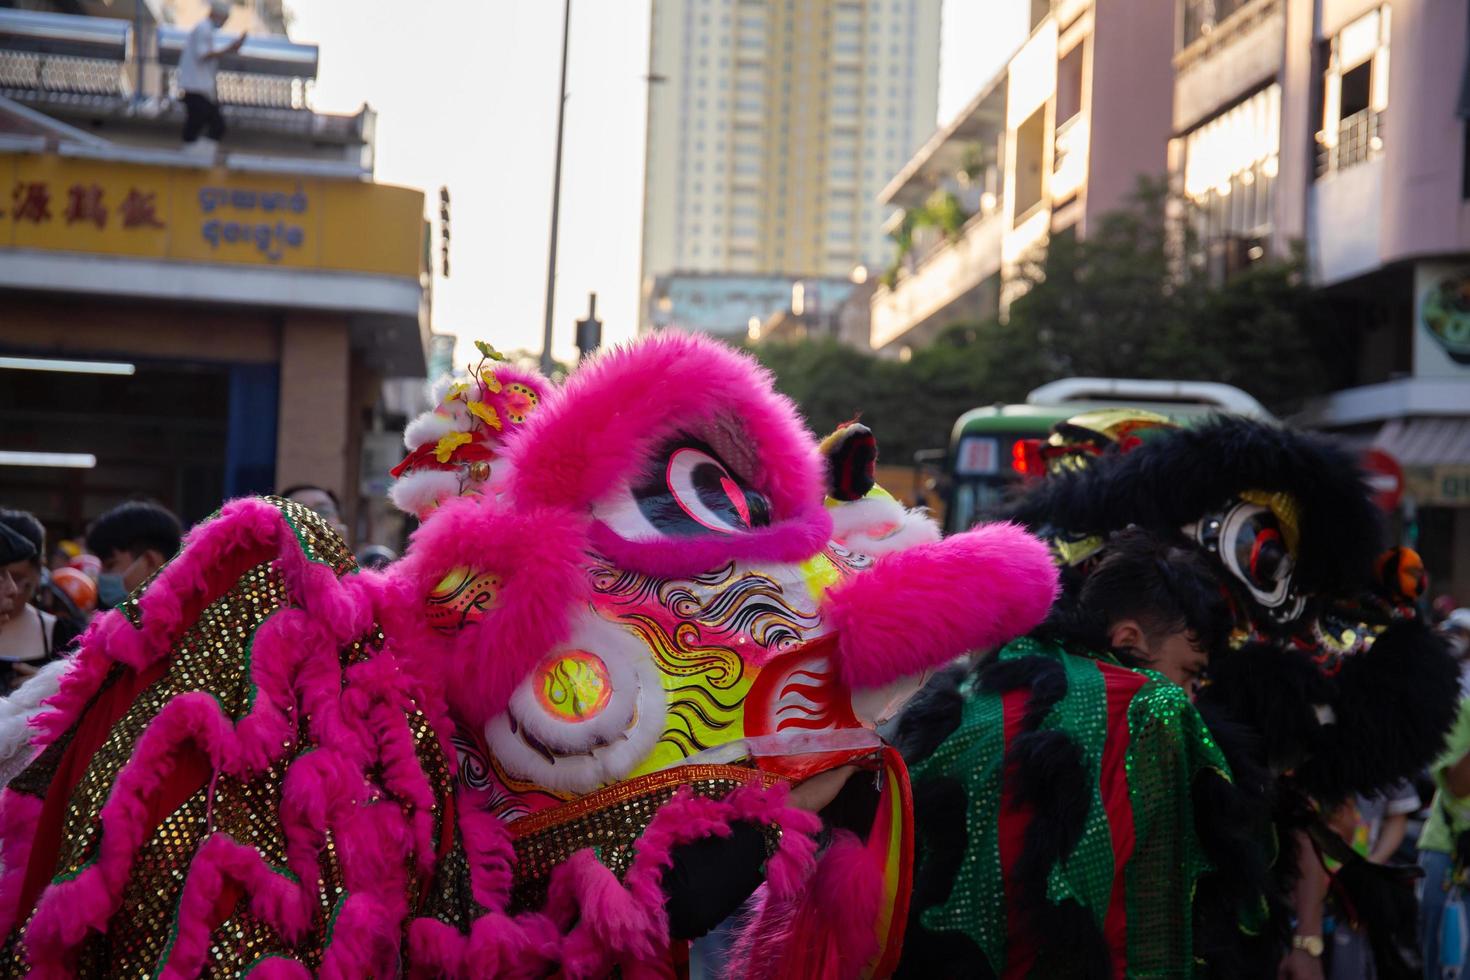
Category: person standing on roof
<point>198,65</point>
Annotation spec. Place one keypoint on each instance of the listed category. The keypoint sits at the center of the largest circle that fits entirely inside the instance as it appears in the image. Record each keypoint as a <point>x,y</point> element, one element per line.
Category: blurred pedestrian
<point>1373,826</point>
<point>376,556</point>
<point>1454,628</point>
<point>321,500</point>
<point>29,636</point>
<point>198,66</point>
<point>1444,849</point>
<point>133,540</point>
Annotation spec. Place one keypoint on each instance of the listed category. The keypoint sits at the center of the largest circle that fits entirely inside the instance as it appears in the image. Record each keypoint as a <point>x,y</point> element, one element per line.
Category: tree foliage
<point>1124,302</point>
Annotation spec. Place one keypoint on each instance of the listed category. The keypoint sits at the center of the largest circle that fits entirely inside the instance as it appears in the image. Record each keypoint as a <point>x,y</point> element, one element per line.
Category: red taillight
<point>1026,457</point>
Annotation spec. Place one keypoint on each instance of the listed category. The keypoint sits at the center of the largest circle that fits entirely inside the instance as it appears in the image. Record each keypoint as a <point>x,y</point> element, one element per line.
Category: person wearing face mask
<point>29,636</point>
<point>133,540</point>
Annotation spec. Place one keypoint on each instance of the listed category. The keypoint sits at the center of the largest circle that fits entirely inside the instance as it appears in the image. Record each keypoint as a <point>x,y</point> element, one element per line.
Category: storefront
<point>244,320</point>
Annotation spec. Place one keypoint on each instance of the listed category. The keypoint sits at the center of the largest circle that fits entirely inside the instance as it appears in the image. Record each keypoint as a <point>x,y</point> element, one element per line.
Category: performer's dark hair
<point>135,526</point>
<point>25,524</point>
<point>1156,579</point>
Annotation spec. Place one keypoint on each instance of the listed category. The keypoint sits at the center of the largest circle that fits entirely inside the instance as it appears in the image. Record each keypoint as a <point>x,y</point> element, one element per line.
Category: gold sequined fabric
<point>611,830</point>
<point>213,656</point>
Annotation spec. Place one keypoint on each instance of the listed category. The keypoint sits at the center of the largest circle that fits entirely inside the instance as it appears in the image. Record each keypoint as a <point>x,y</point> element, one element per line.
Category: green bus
<point>987,459</point>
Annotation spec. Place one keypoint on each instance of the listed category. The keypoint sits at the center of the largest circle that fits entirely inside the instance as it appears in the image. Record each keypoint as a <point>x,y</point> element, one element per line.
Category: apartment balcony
<point>1345,203</point>
<point>955,279</point>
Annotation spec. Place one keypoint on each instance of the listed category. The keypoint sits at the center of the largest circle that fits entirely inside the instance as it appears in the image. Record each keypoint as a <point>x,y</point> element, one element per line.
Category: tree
<point>1130,300</point>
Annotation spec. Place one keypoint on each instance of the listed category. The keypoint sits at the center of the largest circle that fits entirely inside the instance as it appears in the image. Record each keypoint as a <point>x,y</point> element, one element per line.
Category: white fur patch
<point>878,525</point>
<point>421,491</point>
<point>16,713</point>
<point>428,428</point>
<point>582,755</point>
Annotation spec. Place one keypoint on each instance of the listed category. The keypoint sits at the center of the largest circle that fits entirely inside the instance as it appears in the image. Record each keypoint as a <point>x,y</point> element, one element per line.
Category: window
<point>1230,164</point>
<point>1069,84</point>
<point>1354,93</point>
<point>1030,149</point>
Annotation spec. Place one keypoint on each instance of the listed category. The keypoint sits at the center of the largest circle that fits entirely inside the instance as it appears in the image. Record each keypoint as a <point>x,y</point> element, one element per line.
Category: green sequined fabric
<point>1167,745</point>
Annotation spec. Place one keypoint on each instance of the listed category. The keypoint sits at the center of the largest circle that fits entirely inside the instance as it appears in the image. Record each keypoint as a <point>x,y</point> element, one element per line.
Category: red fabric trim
<point>92,729</point>
<point>423,458</point>
<point>1121,686</point>
<point>1014,819</point>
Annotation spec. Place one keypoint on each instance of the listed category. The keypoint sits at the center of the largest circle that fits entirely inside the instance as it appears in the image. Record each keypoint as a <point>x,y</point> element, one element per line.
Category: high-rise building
<point>773,125</point>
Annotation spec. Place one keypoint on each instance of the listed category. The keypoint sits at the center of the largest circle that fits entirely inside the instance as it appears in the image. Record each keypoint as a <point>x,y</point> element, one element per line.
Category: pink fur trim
<point>616,408</point>
<point>18,818</point>
<point>972,591</point>
<point>591,923</point>
<point>538,555</point>
<point>357,721</point>
<point>828,932</point>
<point>791,541</point>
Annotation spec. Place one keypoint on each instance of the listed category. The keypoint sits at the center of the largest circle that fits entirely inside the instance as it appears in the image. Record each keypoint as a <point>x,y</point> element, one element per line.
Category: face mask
<point>110,590</point>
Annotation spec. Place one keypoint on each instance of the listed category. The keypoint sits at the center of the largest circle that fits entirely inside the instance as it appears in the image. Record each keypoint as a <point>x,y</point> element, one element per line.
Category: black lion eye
<point>696,493</point>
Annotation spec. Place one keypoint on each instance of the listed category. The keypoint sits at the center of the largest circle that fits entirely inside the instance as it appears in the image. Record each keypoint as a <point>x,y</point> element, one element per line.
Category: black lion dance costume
<point>1109,827</point>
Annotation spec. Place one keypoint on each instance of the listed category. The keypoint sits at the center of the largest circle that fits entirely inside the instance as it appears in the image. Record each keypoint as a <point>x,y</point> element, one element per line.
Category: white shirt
<point>196,73</point>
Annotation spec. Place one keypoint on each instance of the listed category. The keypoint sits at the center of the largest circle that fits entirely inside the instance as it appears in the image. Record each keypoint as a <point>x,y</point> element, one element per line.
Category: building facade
<point>1341,127</point>
<point>1058,137</point>
<point>181,328</point>
<point>773,125</point>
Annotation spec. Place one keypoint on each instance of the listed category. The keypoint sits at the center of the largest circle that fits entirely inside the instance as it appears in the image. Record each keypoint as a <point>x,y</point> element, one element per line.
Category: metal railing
<point>52,58</point>
<point>1359,138</point>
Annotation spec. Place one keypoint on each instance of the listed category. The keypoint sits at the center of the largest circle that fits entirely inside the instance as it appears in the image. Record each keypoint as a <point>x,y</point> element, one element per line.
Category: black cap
<point>14,547</point>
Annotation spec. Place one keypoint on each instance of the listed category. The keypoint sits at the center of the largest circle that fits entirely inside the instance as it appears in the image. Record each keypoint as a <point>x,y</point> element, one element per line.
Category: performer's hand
<point>816,792</point>
<point>1300,965</point>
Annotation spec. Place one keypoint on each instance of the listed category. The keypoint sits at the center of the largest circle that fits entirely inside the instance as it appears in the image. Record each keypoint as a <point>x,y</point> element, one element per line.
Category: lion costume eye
<point>1250,544</point>
<point>689,492</point>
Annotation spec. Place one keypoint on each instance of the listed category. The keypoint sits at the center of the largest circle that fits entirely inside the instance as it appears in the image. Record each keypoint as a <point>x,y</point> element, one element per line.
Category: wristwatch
<point>1311,945</point>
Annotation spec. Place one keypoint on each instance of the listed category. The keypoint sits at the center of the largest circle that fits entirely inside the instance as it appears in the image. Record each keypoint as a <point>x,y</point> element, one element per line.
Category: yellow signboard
<point>100,207</point>
<point>1438,486</point>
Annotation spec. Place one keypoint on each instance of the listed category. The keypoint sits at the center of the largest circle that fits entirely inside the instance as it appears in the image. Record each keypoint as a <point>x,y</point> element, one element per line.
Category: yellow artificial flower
<point>446,446</point>
<point>456,391</point>
<point>490,381</point>
<point>487,351</point>
<point>485,414</point>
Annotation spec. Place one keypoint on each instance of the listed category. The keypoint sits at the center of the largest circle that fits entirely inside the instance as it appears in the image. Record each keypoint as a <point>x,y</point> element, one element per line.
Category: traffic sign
<point>1385,478</point>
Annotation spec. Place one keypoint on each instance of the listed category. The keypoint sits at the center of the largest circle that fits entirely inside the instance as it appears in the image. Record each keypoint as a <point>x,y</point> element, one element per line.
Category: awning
<point>1435,456</point>
<point>1426,442</point>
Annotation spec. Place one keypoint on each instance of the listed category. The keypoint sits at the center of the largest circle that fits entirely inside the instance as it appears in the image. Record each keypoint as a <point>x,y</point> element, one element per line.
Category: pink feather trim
<point>827,932</point>
<point>357,721</point>
<point>538,554</point>
<point>972,591</point>
<point>617,408</point>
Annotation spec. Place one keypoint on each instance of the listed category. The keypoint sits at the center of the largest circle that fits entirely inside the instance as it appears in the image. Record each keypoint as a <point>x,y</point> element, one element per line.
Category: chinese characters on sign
<point>87,203</point>
<point>269,239</point>
<point>31,201</point>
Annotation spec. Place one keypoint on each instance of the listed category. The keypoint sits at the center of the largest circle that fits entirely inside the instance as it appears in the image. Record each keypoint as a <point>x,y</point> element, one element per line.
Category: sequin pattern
<point>214,656</point>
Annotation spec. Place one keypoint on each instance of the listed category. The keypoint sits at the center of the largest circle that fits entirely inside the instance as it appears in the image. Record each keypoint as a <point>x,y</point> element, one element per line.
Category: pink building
<point>1338,124</point>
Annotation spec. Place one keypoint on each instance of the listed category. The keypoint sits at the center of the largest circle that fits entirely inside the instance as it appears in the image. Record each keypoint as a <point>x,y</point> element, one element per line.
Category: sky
<point>465,96</point>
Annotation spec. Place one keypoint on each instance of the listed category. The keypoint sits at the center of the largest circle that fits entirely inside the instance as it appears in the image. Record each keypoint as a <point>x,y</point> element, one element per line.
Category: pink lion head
<point>652,577</point>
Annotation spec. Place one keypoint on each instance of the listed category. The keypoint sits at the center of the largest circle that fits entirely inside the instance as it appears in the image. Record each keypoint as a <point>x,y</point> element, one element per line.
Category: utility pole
<point>561,106</point>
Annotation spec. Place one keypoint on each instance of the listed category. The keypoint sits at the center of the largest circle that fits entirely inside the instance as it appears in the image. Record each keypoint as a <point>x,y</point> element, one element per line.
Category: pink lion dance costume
<point>627,622</point>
